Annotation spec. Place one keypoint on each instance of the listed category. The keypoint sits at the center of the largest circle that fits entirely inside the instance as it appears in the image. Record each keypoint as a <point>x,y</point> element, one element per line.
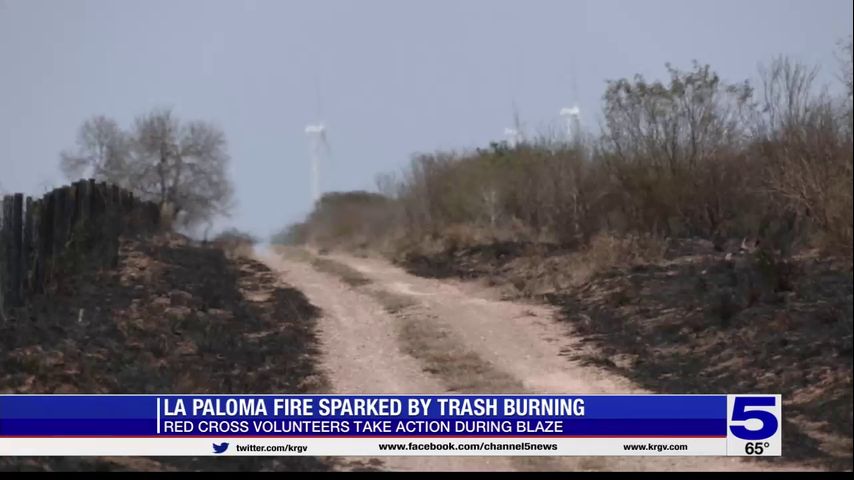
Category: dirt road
<point>386,331</point>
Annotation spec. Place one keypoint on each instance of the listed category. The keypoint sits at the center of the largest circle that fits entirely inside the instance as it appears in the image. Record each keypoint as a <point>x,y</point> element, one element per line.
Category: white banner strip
<point>364,446</point>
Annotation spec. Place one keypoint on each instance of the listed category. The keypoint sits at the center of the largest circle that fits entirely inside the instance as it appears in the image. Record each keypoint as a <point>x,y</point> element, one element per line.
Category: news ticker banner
<point>390,425</point>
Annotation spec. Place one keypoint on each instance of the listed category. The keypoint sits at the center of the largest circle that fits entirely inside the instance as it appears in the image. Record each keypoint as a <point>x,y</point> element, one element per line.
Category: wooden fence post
<point>35,262</point>
<point>45,243</point>
<point>27,248</point>
<point>34,233</point>
<point>70,208</point>
<point>59,221</point>
<point>115,226</point>
<point>5,251</point>
<point>16,250</point>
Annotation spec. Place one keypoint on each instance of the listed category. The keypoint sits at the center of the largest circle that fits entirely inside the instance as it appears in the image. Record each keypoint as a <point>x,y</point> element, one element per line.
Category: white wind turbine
<point>513,137</point>
<point>318,145</point>
<point>319,154</point>
<point>572,115</point>
<point>515,134</point>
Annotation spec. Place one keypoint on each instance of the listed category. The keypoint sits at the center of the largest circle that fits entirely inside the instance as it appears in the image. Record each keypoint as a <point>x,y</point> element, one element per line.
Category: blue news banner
<point>331,425</point>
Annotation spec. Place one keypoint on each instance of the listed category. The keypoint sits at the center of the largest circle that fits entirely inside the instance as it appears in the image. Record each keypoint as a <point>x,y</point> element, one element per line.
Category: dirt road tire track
<point>361,354</point>
<point>369,349</point>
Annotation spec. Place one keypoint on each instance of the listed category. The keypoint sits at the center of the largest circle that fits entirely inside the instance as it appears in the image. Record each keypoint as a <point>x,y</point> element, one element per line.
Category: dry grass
<point>606,250</point>
<point>446,357</point>
<point>393,303</point>
<point>346,274</point>
<point>295,253</point>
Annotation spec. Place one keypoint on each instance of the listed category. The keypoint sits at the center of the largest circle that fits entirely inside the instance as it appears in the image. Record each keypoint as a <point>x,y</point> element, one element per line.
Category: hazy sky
<point>394,76</point>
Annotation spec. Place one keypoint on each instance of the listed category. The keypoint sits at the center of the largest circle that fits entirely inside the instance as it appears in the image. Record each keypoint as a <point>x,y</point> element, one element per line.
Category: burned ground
<point>175,317</point>
<point>474,261</point>
<point>699,321</point>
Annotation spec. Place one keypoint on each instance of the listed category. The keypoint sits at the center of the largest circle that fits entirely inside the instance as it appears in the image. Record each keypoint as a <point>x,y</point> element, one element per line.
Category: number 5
<point>740,413</point>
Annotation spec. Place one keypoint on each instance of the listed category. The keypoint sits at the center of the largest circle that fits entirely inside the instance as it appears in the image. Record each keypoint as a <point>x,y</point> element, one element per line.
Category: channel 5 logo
<point>750,411</point>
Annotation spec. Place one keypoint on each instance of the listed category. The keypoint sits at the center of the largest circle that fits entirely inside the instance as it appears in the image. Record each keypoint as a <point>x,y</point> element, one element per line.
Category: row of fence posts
<point>83,220</point>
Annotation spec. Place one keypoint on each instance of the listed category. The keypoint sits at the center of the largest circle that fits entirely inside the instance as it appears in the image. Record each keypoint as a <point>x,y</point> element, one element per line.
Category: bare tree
<point>846,75</point>
<point>670,145</point>
<point>806,145</point>
<point>846,68</point>
<point>787,88</point>
<point>182,166</point>
<point>387,184</point>
<point>102,152</point>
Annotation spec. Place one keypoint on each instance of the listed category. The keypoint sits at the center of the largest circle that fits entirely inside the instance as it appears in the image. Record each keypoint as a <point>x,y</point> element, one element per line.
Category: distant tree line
<point>688,156</point>
<point>359,218</point>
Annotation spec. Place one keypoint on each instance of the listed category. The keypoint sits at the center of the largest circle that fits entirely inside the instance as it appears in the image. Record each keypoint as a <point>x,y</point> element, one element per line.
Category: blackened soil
<point>174,317</point>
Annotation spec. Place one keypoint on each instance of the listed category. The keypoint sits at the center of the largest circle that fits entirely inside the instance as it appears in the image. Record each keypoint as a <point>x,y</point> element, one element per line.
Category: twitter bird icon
<point>221,448</point>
